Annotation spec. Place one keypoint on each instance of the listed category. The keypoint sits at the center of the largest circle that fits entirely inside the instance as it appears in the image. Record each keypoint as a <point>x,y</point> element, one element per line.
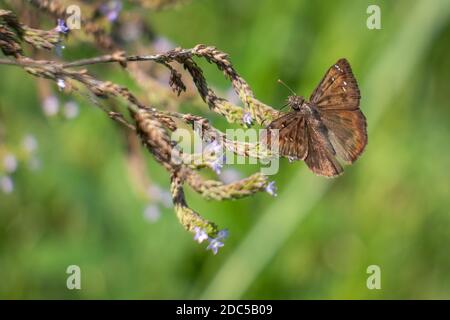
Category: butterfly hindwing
<point>321,154</point>
<point>347,131</point>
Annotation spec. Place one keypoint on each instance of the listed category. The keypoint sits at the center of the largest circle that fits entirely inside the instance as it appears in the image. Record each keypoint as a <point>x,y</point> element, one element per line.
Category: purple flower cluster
<point>214,243</point>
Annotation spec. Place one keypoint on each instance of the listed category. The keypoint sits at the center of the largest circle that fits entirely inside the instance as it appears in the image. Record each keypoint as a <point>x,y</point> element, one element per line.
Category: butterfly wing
<point>338,89</point>
<point>337,99</point>
<point>321,158</point>
<point>305,138</point>
<point>347,132</point>
<point>293,142</point>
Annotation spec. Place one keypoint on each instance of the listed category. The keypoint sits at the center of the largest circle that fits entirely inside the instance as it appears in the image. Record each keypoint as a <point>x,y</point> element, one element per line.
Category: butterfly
<point>328,127</point>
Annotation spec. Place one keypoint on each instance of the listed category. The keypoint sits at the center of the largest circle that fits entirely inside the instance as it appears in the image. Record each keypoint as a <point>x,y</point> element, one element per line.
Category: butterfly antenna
<point>284,84</point>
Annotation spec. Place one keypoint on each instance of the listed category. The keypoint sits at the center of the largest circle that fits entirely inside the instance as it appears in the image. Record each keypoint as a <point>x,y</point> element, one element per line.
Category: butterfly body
<point>328,126</point>
<point>299,105</point>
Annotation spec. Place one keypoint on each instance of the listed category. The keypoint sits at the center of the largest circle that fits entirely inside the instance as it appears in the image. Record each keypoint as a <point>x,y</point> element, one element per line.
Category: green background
<point>317,238</point>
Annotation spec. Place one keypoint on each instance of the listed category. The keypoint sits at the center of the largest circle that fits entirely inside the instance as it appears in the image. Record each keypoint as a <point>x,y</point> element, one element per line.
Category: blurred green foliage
<point>317,238</point>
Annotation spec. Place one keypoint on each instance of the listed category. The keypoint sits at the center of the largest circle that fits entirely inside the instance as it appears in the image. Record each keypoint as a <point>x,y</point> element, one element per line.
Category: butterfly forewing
<point>292,135</point>
<point>338,89</point>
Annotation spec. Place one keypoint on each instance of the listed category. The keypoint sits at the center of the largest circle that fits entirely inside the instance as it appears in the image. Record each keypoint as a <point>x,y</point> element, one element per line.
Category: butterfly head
<point>295,102</point>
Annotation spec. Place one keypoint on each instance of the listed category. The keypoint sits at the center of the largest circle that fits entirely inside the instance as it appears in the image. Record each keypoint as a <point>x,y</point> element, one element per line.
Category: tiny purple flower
<point>214,245</point>
<point>130,31</point>
<point>247,118</point>
<point>50,106</point>
<point>158,194</point>
<point>166,199</point>
<point>217,164</point>
<point>200,235</point>
<point>154,192</point>
<point>71,110</point>
<point>59,47</point>
<point>152,213</point>
<point>214,147</point>
<point>162,44</point>
<point>272,189</point>
<point>222,234</point>
<point>6,184</point>
<point>29,143</point>
<point>10,163</point>
<point>111,9</point>
<point>62,27</point>
<point>61,84</point>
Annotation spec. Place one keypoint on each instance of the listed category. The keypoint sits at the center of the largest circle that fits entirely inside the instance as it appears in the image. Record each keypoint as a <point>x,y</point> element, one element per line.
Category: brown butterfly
<point>328,126</point>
